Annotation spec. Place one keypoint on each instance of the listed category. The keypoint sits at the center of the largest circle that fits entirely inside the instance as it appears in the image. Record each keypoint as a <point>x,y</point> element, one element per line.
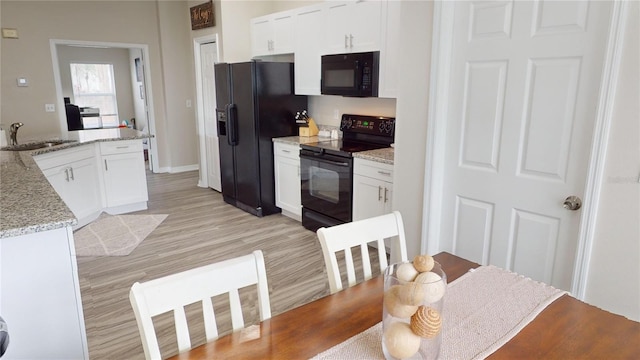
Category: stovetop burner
<point>342,147</point>
<point>360,133</point>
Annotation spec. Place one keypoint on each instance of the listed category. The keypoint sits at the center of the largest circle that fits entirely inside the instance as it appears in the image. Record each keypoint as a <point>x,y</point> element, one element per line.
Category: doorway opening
<point>132,78</point>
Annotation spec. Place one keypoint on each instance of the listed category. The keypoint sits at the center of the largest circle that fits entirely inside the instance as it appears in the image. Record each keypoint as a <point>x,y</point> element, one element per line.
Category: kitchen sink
<point>34,146</point>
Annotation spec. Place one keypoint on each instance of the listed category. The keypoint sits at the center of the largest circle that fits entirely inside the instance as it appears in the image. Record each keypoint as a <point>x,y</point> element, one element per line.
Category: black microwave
<point>353,74</point>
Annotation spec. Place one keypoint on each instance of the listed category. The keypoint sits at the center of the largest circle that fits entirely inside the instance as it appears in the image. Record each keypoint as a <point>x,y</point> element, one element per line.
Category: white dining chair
<point>173,292</point>
<point>361,233</point>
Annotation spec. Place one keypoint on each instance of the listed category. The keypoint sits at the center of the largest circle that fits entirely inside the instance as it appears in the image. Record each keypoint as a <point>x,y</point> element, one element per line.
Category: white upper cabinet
<point>272,34</point>
<point>308,48</point>
<point>353,26</point>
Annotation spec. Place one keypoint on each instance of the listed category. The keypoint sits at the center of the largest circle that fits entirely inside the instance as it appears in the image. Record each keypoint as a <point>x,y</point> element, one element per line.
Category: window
<point>94,86</point>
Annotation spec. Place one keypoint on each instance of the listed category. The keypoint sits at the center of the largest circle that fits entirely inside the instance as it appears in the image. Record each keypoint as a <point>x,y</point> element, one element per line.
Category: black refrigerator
<point>255,102</point>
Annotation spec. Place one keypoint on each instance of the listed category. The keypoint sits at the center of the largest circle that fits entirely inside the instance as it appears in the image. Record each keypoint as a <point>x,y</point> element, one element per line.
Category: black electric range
<point>326,169</point>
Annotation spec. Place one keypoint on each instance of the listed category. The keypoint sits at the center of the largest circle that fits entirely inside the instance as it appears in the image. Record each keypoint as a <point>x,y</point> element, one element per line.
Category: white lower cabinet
<point>123,171</point>
<point>40,296</point>
<point>74,175</point>
<point>90,178</point>
<point>372,188</point>
<point>287,179</point>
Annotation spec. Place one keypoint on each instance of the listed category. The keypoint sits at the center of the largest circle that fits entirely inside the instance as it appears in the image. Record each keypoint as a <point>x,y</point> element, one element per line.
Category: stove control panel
<point>375,125</point>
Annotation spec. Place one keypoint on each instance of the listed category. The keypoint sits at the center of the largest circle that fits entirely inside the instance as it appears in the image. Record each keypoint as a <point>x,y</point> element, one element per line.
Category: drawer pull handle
<point>387,173</point>
<point>286,151</point>
<point>71,173</point>
<point>379,193</point>
<point>122,147</point>
<point>385,195</point>
<point>66,174</point>
<point>106,168</point>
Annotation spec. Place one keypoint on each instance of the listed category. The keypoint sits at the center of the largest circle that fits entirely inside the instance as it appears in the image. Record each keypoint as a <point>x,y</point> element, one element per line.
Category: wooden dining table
<point>567,329</point>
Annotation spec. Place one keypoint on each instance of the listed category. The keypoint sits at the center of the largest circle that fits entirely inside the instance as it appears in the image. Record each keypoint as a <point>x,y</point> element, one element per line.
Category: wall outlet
<point>50,107</point>
<point>188,103</point>
<point>336,114</point>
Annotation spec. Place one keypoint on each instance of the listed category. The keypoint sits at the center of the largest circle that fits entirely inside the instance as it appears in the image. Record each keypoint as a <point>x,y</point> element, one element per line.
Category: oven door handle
<point>332,162</point>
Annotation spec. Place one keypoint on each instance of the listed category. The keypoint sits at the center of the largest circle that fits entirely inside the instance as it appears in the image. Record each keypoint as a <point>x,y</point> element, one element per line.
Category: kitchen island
<point>39,290</point>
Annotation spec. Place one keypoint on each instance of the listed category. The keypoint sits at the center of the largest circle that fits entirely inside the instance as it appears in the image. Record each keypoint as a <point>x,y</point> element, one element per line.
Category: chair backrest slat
<point>182,329</point>
<point>173,292</point>
<point>360,233</point>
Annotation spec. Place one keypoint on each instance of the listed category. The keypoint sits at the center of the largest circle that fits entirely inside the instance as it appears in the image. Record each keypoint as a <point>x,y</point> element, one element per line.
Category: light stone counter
<point>297,140</point>
<point>28,202</point>
<point>384,155</point>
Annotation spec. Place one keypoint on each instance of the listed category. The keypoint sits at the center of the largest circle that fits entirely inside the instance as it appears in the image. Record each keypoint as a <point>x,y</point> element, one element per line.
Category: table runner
<point>483,309</point>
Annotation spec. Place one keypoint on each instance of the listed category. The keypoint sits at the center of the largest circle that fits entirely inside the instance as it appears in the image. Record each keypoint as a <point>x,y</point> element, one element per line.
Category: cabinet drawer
<point>64,157</point>
<point>120,147</point>
<point>286,150</point>
<point>373,169</point>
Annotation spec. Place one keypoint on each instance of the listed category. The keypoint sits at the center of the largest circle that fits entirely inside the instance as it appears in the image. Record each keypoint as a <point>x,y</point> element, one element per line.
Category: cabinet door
<point>368,197</point>
<point>354,26</point>
<point>365,25</point>
<point>287,178</point>
<point>261,36</point>
<point>337,27</point>
<point>85,191</point>
<point>124,179</point>
<point>308,46</point>
<point>282,34</point>
<point>78,186</point>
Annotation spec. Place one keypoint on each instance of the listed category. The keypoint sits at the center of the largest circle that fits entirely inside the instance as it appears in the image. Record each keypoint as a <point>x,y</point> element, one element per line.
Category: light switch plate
<point>21,81</point>
<point>9,33</point>
<point>50,107</point>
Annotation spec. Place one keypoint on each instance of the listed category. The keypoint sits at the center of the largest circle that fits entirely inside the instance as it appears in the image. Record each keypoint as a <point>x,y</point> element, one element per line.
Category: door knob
<point>572,203</point>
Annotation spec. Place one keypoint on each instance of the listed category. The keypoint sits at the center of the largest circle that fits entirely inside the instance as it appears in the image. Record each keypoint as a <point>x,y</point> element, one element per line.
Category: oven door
<point>326,184</point>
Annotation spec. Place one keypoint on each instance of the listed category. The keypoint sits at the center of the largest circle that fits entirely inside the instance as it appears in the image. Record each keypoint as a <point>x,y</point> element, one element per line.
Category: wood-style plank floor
<point>200,229</point>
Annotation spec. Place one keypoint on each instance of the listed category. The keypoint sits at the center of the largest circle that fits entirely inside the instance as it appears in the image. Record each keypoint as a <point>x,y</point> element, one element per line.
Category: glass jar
<point>412,313</point>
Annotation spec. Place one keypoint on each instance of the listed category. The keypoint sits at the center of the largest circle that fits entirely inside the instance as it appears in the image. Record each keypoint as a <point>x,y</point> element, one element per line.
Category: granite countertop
<point>297,140</point>
<point>384,155</point>
<point>28,202</point>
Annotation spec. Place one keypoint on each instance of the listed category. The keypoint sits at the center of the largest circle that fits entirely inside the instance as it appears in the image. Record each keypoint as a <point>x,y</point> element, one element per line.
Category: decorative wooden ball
<point>406,272</point>
<point>432,286</point>
<point>394,306</point>
<point>426,322</point>
<point>400,341</point>
<point>411,293</point>
<point>423,263</point>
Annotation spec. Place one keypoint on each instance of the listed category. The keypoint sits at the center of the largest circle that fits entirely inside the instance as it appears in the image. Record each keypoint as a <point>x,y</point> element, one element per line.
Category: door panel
<point>522,99</point>
<point>484,108</point>
<point>534,239</point>
<point>549,113</point>
<point>474,221</point>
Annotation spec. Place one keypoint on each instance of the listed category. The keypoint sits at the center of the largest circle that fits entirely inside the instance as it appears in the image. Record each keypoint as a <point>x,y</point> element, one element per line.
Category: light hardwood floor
<point>200,229</point>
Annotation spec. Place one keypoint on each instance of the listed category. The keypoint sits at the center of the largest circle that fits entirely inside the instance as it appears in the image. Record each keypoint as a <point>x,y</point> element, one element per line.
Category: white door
<point>208,57</point>
<point>522,103</point>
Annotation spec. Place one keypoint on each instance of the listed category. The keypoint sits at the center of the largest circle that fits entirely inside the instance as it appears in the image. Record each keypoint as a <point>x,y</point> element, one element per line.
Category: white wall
<point>614,272</point>
<point>179,85</point>
<point>322,108</point>
<point>411,114</point>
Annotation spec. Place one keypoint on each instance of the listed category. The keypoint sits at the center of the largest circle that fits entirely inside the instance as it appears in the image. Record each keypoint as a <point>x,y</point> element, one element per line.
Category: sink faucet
<point>13,132</point>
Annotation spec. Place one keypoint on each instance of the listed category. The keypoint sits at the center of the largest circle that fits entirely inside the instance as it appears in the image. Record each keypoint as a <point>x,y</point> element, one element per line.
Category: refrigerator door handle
<point>232,139</point>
